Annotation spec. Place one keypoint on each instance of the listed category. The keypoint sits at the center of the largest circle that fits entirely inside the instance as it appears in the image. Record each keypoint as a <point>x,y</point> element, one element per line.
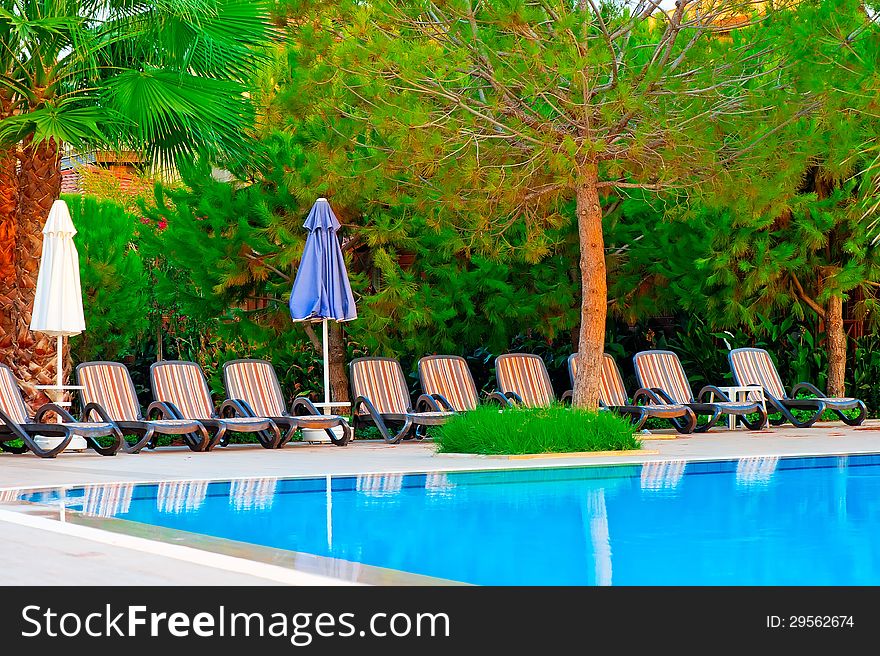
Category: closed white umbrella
<point>58,308</point>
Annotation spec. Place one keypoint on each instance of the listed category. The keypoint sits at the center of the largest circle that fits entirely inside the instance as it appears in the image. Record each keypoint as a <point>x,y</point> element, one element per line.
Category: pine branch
<point>313,338</point>
<point>813,305</point>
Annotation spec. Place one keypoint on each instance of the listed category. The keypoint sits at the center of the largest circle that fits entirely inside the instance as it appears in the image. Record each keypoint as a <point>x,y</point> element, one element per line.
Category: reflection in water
<point>105,500</point>
<point>9,495</point>
<point>663,475</point>
<point>599,535</point>
<point>379,484</point>
<point>438,482</point>
<point>755,471</point>
<point>252,493</point>
<point>175,497</point>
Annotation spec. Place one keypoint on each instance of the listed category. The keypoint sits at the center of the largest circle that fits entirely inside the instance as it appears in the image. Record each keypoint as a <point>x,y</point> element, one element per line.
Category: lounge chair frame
<point>414,421</point>
<point>713,410</point>
<point>267,431</point>
<point>641,409</point>
<point>786,403</point>
<point>305,413</point>
<point>26,431</point>
<point>147,430</point>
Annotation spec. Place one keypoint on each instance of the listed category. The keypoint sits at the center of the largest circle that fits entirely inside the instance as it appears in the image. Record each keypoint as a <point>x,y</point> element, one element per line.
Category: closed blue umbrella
<point>321,291</point>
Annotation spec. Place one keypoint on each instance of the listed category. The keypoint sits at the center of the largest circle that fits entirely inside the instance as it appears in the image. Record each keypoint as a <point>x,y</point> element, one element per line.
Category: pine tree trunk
<point>8,203</point>
<point>594,292</point>
<point>39,185</point>
<point>338,377</point>
<point>836,337</point>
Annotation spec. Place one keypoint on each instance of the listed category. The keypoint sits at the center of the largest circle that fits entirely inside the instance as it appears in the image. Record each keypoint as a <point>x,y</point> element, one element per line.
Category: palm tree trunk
<point>8,203</point>
<point>39,185</point>
<point>594,290</point>
<point>8,288</point>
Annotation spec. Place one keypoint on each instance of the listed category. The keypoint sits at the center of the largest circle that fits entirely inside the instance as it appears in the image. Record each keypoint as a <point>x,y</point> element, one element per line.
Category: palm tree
<point>8,202</point>
<point>165,79</point>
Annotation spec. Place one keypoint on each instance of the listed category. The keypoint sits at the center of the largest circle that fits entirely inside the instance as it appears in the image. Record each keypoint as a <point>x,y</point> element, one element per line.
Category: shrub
<point>115,282</point>
<point>515,431</point>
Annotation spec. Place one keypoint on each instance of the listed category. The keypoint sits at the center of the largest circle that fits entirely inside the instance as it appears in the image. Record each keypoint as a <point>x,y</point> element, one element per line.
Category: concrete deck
<point>376,457</point>
<point>71,560</point>
<point>83,555</point>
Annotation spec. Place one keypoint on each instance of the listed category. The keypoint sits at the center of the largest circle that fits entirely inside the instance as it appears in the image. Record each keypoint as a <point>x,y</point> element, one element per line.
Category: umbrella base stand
<point>77,443</point>
<point>319,435</point>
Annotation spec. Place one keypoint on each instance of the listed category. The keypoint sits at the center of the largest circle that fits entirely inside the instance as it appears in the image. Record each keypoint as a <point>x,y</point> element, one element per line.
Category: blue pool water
<point>751,521</point>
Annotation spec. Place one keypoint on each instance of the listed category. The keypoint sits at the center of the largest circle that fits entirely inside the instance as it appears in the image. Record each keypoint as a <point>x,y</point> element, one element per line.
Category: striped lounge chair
<point>447,380</point>
<point>16,423</point>
<point>109,393</point>
<point>380,395</point>
<point>613,395</point>
<point>181,391</point>
<point>753,366</point>
<point>661,373</point>
<point>254,385</point>
<point>523,380</point>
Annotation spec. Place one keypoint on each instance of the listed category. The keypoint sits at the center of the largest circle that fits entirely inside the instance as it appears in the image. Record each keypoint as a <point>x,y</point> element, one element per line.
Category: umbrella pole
<point>326,366</point>
<point>59,360</point>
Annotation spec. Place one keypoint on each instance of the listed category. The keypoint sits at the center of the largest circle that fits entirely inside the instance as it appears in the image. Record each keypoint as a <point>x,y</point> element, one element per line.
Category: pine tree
<point>447,299</point>
<point>794,235</point>
<point>495,114</point>
<point>115,283</point>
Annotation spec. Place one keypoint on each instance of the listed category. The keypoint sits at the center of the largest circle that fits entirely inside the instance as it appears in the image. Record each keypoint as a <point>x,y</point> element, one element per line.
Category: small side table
<point>313,435</point>
<point>56,394</point>
<point>741,393</point>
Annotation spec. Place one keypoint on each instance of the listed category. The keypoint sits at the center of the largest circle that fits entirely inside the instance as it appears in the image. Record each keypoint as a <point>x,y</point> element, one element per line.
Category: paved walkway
<point>60,559</point>
<point>76,555</point>
<point>373,457</point>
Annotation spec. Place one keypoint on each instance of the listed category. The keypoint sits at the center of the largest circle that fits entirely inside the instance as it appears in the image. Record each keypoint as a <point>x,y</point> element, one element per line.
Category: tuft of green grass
<point>516,431</point>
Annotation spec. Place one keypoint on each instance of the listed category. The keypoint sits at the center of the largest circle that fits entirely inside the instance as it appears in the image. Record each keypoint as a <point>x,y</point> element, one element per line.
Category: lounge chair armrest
<point>52,407</point>
<point>768,397</point>
<point>650,396</point>
<point>377,419</point>
<point>661,394</point>
<point>21,430</point>
<point>303,406</point>
<point>98,410</point>
<point>443,401</point>
<point>426,401</point>
<point>806,387</point>
<point>363,400</point>
<point>24,432</point>
<point>712,389</point>
<point>513,396</point>
<point>568,396</point>
<point>235,408</point>
<point>500,399</point>
<point>166,410</point>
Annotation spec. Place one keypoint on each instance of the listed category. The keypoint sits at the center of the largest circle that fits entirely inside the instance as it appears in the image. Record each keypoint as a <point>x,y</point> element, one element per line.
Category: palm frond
<point>81,126</point>
<point>170,114</point>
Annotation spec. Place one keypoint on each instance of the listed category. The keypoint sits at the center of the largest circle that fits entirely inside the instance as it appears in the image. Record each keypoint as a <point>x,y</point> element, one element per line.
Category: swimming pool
<point>758,521</point>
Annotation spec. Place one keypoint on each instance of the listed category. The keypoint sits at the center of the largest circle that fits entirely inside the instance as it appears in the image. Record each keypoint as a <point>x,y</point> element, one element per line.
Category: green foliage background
<point>115,283</point>
<point>694,269</point>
